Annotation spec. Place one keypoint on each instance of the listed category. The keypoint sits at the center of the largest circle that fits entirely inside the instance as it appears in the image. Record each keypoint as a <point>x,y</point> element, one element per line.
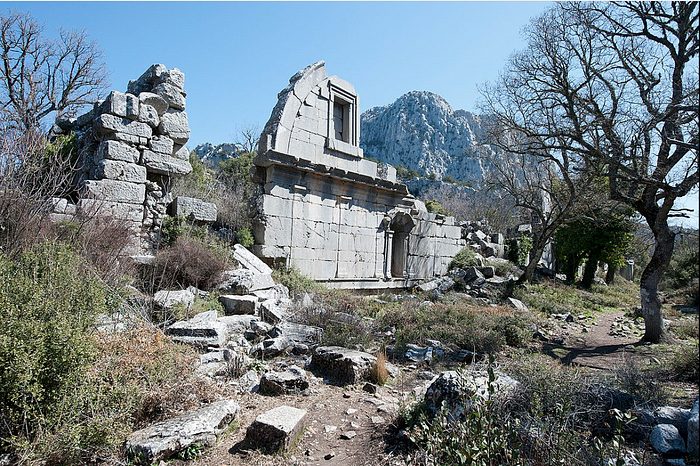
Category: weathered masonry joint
<point>326,210</point>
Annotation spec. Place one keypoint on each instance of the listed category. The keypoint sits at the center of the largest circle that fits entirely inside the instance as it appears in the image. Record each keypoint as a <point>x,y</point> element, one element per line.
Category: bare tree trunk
<point>649,283</point>
<point>535,256</point>
<point>589,272</point>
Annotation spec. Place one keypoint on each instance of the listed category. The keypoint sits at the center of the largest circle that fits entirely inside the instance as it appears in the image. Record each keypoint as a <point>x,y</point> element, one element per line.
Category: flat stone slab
<point>167,299</point>
<point>245,282</point>
<point>250,261</point>
<point>238,324</point>
<point>298,333</point>
<point>202,331</point>
<point>164,439</point>
<point>239,305</point>
<point>276,429</point>
<point>190,207</point>
<point>343,365</point>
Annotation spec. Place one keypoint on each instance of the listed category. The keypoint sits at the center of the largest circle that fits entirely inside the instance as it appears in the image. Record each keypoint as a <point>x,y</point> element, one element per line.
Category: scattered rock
<point>270,347</point>
<point>239,305</point>
<point>164,439</point>
<point>692,430</point>
<point>349,435</point>
<point>671,415</point>
<point>297,333</point>
<point>342,365</point>
<point>666,440</point>
<point>293,380</point>
<point>517,304</point>
<point>245,282</point>
<point>165,299</point>
<point>417,353</point>
<point>276,429</point>
<point>202,331</point>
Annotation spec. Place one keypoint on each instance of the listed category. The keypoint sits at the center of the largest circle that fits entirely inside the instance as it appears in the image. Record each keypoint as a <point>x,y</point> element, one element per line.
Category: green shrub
<point>435,207</point>
<point>172,228</point>
<point>245,237</point>
<point>685,361</point>
<point>518,249</point>
<point>49,303</point>
<point>293,279</point>
<point>464,258</point>
<point>685,328</point>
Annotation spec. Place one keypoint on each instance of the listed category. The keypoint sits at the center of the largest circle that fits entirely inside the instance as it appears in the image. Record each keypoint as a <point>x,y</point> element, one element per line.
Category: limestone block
<point>149,115</point>
<point>115,150</point>
<point>128,138</point>
<point>238,305</point>
<point>172,95</point>
<point>238,324</point>
<point>116,191</point>
<point>249,261</point>
<point>497,238</point>
<point>200,427</point>
<point>244,282</point>
<point>121,171</point>
<point>109,124</point>
<point>298,333</point>
<point>673,415</point>
<point>276,429</point>
<point>175,126</point>
<point>123,105</point>
<point>155,101</point>
<point>276,206</point>
<point>174,77</point>
<point>165,164</point>
<point>182,153</point>
<point>166,299</point>
<point>517,304</point>
<point>342,365</point>
<point>161,144</point>
<point>271,312</point>
<point>118,210</point>
<point>202,331</point>
<point>196,209</point>
<point>292,380</point>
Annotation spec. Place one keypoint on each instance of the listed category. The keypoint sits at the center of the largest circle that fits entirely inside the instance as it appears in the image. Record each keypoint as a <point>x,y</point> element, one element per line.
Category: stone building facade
<point>326,210</point>
<point>131,146</point>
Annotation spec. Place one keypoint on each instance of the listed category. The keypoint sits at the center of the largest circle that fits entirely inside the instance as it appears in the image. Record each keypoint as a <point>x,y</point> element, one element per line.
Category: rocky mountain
<point>421,131</point>
<point>211,155</point>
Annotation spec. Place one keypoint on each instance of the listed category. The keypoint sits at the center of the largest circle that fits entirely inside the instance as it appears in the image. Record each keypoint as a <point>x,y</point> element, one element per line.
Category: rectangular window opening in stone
<point>341,119</point>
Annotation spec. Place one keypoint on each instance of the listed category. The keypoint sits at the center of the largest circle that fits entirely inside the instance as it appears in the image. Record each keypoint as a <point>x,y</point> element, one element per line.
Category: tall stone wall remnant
<point>325,209</point>
<point>131,145</point>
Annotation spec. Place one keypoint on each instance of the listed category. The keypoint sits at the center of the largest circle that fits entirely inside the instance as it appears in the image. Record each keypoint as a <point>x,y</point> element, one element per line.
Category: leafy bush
<point>518,249</point>
<point>293,279</point>
<point>245,237</point>
<point>685,363</point>
<point>435,207</point>
<point>49,303</point>
<point>405,174</point>
<point>685,328</point>
<point>463,259</point>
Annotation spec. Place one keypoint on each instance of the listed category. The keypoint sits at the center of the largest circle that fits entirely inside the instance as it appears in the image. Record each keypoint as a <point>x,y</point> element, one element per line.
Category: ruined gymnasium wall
<point>325,209</point>
<point>131,146</point>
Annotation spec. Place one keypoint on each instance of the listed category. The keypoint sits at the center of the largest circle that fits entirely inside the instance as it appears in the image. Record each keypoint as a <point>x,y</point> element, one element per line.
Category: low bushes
<point>188,262</point>
<point>464,258</point>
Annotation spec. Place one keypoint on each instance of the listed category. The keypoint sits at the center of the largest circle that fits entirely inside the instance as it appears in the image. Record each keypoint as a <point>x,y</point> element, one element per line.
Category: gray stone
<point>342,365</point>
<point>417,353</point>
<point>164,164</point>
<point>161,144</point>
<point>459,390</point>
<point>192,208</point>
<point>196,428</point>
<point>517,304</point>
<point>110,124</point>
<point>116,191</point>
<point>175,126</point>
<point>115,150</point>
<point>271,312</point>
<point>260,328</point>
<point>202,331</point>
<point>666,439</point>
<point>120,171</point>
<point>249,382</point>
<point>238,324</point>
<point>250,261</point>
<point>488,271</point>
<point>472,275</point>
<point>149,115</point>
<point>298,333</point>
<point>165,299</point>
<point>277,293</point>
<point>123,105</point>
<point>172,95</point>
<point>292,380</point>
<point>676,416</point>
<point>276,429</point>
<point>270,348</point>
<point>237,305</point>
<point>241,281</point>
<point>692,430</point>
<point>155,101</point>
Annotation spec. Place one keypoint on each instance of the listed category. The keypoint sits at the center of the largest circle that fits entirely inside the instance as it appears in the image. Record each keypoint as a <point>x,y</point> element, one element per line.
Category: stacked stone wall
<point>131,146</point>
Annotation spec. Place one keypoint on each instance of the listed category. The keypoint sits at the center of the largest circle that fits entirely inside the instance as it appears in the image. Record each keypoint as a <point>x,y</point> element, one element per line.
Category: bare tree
<point>247,138</point>
<point>40,77</point>
<point>615,86</point>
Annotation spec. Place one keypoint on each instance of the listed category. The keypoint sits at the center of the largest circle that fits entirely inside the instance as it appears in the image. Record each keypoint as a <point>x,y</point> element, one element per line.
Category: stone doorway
<point>400,228</point>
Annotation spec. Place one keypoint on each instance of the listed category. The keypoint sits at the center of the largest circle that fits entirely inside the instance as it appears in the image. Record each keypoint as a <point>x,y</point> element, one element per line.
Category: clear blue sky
<point>237,56</point>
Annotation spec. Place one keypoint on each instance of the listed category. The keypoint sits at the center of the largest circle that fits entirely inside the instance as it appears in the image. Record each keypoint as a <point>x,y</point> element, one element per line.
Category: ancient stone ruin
<point>131,146</point>
<point>336,216</point>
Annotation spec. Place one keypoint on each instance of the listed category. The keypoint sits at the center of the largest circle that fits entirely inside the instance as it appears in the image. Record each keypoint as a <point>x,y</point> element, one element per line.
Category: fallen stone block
<point>270,348</point>
<point>342,365</point>
<point>293,380</point>
<point>517,304</point>
<point>164,439</point>
<point>298,333</point>
<point>473,276</point>
<point>238,324</point>
<point>488,271</point>
<point>417,353</point>
<point>238,305</point>
<point>250,261</point>
<point>277,293</point>
<point>165,299</point>
<point>244,282</point>
<point>271,312</point>
<point>276,429</point>
<point>190,207</point>
<point>202,331</point>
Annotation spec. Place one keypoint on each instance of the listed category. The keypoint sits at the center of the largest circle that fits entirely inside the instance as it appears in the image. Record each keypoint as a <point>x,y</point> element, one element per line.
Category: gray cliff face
<point>211,155</point>
<point>421,131</point>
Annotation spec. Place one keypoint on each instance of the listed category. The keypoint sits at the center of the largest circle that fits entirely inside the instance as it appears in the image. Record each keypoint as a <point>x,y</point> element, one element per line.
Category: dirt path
<point>598,349</point>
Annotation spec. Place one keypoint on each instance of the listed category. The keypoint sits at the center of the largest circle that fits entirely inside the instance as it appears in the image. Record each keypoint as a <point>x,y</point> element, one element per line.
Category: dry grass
<point>380,374</point>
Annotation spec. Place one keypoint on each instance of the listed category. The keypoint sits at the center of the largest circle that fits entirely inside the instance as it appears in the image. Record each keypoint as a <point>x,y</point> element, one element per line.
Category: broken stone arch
<point>396,243</point>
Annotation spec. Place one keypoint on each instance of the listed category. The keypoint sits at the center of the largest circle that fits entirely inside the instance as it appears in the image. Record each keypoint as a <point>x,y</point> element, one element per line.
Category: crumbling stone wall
<point>325,209</point>
<point>131,146</point>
